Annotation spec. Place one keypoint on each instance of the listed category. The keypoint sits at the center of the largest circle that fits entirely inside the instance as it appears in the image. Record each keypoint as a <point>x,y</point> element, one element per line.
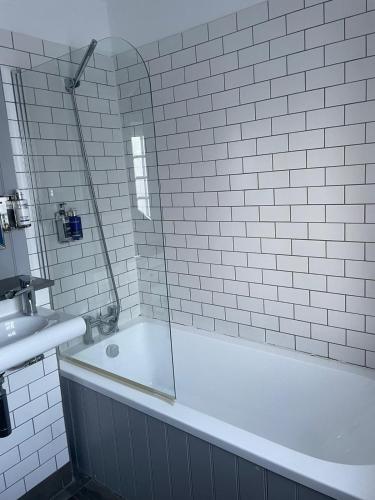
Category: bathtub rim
<point>68,355</point>
<point>320,475</point>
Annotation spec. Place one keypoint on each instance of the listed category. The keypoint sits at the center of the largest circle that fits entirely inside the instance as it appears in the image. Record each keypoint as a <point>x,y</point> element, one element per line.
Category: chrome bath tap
<point>108,320</point>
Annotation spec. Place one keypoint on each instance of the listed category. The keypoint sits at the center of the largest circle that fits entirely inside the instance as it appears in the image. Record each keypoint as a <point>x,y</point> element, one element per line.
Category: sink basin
<point>24,337</point>
<point>14,328</point>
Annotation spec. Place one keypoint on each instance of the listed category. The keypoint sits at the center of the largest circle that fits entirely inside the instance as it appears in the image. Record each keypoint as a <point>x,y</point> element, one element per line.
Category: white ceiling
<point>70,22</point>
<point>75,22</point>
<point>143,21</point>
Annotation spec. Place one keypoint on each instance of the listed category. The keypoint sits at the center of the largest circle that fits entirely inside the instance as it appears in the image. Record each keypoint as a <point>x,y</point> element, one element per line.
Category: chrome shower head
<point>72,83</point>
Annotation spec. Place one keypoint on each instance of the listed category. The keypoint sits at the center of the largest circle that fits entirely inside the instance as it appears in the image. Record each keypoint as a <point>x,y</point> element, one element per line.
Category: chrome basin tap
<point>27,294</point>
<point>91,322</point>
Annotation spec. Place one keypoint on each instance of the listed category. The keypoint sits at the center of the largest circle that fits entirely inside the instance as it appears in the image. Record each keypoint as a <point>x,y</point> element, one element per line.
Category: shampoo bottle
<point>75,225</point>
<point>21,210</point>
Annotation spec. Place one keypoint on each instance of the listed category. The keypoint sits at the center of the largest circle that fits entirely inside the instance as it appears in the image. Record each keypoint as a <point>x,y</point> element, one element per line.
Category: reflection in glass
<point>140,175</point>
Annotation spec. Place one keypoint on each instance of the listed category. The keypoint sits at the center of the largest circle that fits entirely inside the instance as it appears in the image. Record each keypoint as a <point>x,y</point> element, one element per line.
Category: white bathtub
<point>144,355</point>
<point>308,419</point>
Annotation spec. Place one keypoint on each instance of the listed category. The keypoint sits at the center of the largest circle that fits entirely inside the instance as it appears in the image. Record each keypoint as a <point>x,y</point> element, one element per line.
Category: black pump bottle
<point>5,425</point>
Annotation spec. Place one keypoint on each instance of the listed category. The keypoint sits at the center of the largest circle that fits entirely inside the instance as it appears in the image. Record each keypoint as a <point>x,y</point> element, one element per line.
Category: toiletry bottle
<point>75,225</point>
<point>62,224</point>
<point>4,220</point>
<point>21,210</point>
<point>2,239</point>
<point>11,213</point>
<point>5,425</point>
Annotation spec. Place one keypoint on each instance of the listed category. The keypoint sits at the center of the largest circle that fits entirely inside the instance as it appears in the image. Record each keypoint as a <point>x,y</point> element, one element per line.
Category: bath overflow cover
<point>112,350</point>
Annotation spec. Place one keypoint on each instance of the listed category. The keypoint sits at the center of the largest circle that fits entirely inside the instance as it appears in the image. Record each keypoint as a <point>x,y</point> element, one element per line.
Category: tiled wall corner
<point>78,267</point>
<point>265,132</point>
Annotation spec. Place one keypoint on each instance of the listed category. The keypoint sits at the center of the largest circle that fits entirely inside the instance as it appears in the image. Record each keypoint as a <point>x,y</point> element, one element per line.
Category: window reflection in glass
<point>140,175</point>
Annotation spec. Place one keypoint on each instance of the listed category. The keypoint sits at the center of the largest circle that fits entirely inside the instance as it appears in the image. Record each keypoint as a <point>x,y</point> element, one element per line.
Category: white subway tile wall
<point>79,269</point>
<point>37,446</point>
<point>265,134</point>
<point>266,157</point>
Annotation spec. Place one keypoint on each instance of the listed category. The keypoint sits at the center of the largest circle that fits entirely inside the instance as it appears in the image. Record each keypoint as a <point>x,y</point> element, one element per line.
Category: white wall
<point>75,22</point>
<point>37,446</point>
<point>144,21</point>
<point>70,22</point>
<point>263,134</point>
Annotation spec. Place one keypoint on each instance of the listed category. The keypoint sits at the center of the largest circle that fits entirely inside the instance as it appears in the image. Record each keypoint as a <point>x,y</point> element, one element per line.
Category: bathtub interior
<point>314,406</point>
<point>319,408</point>
<point>140,353</point>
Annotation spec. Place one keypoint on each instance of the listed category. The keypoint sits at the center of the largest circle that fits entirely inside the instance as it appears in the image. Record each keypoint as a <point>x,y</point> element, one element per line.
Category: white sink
<point>24,337</point>
<point>16,327</point>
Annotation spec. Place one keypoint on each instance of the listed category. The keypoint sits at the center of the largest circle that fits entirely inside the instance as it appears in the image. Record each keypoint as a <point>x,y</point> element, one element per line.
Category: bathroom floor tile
<point>94,491</point>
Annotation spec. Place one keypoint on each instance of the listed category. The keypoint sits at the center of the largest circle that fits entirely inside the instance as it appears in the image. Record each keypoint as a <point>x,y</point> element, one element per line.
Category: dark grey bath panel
<point>142,458</point>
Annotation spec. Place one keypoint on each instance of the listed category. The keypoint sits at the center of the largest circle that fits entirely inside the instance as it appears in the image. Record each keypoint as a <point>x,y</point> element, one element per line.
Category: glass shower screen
<point>120,180</point>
